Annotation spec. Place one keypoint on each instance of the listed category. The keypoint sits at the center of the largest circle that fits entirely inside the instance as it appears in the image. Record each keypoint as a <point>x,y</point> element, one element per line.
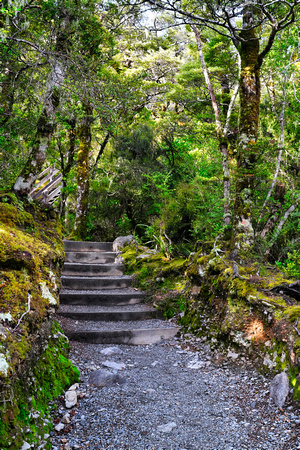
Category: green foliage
<point>138,144</point>
<point>291,266</point>
<point>173,306</point>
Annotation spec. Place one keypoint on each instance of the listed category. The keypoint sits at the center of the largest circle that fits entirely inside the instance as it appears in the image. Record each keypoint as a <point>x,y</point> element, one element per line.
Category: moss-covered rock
<point>27,394</point>
<point>162,278</point>
<point>33,351</point>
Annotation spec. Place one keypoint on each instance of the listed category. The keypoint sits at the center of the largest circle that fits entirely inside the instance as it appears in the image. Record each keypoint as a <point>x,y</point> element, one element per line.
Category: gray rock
<point>167,428</point>
<point>60,426</point>
<point>111,351</point>
<point>102,378</point>
<point>279,389</point>
<point>73,387</point>
<point>70,399</point>
<point>232,355</point>
<point>25,446</point>
<point>146,254</point>
<point>119,243</point>
<point>113,365</point>
<point>66,418</point>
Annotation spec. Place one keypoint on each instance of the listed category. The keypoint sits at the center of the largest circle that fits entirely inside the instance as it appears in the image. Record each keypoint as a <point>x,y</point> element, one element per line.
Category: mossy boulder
<point>33,350</point>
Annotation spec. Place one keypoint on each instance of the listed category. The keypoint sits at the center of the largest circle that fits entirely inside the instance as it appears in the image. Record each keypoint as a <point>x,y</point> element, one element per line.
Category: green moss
<point>293,313</point>
<point>34,363</point>
<point>152,270</point>
<point>25,412</point>
<point>30,243</point>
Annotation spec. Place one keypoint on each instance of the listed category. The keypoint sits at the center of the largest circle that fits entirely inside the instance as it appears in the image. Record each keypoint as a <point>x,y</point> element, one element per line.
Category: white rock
<point>151,391</point>
<point>232,355</point>
<point>25,446</point>
<point>5,316</point>
<point>279,389</point>
<point>267,362</point>
<point>70,399</point>
<point>111,351</point>
<point>73,387</point>
<point>195,364</point>
<point>114,365</point>
<point>4,366</point>
<point>60,426</point>
<point>167,428</point>
<point>120,241</point>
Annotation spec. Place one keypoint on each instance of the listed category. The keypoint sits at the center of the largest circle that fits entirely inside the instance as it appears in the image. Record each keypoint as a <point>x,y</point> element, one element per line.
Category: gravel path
<point>178,395</point>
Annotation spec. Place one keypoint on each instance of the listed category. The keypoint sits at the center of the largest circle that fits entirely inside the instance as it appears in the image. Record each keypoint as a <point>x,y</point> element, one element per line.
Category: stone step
<point>101,297</point>
<point>95,292</point>
<point>126,337</point>
<point>91,270</point>
<point>130,333</point>
<point>95,283</point>
<point>78,246</point>
<point>106,314</point>
<point>91,257</point>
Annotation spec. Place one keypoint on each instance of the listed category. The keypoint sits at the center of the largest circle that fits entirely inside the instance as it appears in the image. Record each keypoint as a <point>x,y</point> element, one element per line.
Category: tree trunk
<point>249,116</point>
<point>66,168</point>
<point>223,146</point>
<point>84,135</point>
<point>46,123</point>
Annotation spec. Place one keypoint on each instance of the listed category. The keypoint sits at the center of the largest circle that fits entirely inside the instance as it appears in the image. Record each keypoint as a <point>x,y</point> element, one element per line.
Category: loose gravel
<point>178,395</point>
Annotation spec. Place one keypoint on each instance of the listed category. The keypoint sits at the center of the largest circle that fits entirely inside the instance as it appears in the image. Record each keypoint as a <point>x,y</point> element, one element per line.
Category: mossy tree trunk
<point>84,135</point>
<point>66,164</point>
<point>250,92</point>
<point>46,123</point>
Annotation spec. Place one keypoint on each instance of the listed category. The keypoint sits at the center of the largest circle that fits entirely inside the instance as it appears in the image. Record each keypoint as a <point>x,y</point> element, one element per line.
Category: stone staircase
<point>98,303</point>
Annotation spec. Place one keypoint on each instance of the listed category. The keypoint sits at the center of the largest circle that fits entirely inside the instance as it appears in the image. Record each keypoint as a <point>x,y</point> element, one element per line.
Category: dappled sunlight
<point>255,331</point>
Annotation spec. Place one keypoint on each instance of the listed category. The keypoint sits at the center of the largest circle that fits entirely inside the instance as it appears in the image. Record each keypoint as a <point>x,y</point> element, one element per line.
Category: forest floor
<point>178,394</point>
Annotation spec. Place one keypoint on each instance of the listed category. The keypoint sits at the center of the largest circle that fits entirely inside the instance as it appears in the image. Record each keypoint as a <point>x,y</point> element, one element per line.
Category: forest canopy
<point>177,121</point>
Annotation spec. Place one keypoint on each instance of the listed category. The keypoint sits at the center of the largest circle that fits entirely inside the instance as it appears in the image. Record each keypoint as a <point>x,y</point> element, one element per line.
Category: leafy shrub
<point>292,265</point>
